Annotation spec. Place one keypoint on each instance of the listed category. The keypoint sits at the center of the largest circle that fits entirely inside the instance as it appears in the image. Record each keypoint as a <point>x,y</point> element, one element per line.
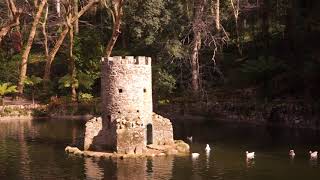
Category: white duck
<point>189,138</point>
<point>313,155</point>
<point>207,148</point>
<point>250,155</point>
<point>292,153</point>
<point>195,155</point>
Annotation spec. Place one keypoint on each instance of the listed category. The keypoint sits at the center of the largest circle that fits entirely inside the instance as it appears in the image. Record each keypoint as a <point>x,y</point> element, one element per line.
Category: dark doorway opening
<point>149,134</point>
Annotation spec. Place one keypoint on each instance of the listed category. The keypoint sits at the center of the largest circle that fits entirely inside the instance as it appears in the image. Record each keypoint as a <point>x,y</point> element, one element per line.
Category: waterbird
<point>207,148</point>
<point>313,155</point>
<point>195,155</point>
<point>291,153</point>
<point>250,155</point>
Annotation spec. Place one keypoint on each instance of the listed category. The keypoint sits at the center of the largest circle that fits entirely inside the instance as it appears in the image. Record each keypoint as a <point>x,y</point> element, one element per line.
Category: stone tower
<point>127,88</point>
<point>128,123</point>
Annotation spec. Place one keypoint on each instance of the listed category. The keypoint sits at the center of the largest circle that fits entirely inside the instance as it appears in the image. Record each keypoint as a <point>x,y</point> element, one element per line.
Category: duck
<point>250,155</point>
<point>207,148</point>
<point>292,153</point>
<point>195,155</point>
<point>313,155</point>
<point>189,138</point>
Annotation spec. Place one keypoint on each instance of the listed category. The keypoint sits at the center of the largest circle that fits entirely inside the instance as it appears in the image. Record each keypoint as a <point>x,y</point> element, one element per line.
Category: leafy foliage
<point>8,67</point>
<point>85,97</point>
<point>165,83</point>
<point>6,88</point>
<point>262,69</point>
<point>33,80</point>
<point>83,80</point>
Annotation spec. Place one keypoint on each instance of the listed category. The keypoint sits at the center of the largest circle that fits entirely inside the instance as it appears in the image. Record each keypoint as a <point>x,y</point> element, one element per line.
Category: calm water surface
<point>35,150</point>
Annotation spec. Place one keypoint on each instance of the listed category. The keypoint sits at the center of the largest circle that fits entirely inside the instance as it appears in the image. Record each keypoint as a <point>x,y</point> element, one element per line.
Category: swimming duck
<point>195,155</point>
<point>207,148</point>
<point>313,155</point>
<point>250,155</point>
<point>291,153</point>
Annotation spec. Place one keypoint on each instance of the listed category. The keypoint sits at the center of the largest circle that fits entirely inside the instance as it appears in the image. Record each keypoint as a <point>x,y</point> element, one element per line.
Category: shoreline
<point>62,117</point>
<point>286,114</point>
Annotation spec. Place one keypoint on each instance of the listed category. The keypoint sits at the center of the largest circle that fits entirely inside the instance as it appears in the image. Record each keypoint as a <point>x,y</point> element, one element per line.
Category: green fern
<point>6,88</point>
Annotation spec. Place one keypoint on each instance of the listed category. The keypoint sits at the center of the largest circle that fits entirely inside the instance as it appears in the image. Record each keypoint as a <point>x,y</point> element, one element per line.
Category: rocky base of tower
<point>178,148</point>
<point>128,135</point>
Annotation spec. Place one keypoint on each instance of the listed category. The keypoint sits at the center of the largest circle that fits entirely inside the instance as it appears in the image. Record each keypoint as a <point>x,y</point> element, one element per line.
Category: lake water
<point>35,150</point>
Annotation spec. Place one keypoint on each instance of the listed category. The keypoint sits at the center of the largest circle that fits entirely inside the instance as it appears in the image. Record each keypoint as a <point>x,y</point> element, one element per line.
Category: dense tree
<point>196,45</point>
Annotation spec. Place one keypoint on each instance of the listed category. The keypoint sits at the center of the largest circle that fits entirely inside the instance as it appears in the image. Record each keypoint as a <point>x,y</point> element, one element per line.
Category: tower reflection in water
<point>130,168</point>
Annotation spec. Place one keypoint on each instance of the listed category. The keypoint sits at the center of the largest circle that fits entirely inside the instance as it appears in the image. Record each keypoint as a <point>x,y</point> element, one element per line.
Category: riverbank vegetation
<point>202,50</point>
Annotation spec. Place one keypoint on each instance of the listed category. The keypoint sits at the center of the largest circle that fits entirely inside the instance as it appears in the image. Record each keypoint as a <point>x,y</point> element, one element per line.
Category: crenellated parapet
<point>119,60</point>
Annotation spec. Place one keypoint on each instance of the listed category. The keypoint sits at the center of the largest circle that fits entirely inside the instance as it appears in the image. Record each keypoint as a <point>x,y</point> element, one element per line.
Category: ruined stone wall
<point>126,91</point>
<point>162,130</point>
<point>130,135</point>
<point>97,137</point>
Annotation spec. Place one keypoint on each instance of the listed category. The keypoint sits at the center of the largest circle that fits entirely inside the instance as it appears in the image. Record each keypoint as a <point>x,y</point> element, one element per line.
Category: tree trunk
<point>196,45</point>
<point>217,19</point>
<point>72,67</point>
<point>75,12</point>
<point>53,53</point>
<point>44,33</point>
<point>58,7</point>
<point>236,9</point>
<point>74,29</point>
<point>13,16</point>
<point>47,70</point>
<point>114,37</point>
<point>117,15</point>
<point>25,55</point>
<point>4,31</point>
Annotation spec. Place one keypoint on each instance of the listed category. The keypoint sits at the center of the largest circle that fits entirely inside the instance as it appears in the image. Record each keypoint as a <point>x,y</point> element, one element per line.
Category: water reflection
<point>92,169</point>
<point>131,168</point>
<point>250,163</point>
<point>35,150</point>
<point>24,155</point>
<point>313,162</point>
<point>208,159</point>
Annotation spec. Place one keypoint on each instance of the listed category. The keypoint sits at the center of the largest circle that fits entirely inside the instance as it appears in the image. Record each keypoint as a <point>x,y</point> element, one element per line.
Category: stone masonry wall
<point>126,90</point>
<point>130,133</point>
<point>98,138</point>
<point>162,130</point>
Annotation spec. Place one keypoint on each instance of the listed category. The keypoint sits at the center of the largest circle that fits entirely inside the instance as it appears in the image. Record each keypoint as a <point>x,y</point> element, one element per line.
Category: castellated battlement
<point>119,60</point>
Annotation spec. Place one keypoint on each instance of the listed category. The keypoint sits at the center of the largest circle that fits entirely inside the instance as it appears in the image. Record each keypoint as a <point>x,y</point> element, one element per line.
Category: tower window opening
<point>138,111</point>
<point>120,90</point>
<point>144,90</point>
